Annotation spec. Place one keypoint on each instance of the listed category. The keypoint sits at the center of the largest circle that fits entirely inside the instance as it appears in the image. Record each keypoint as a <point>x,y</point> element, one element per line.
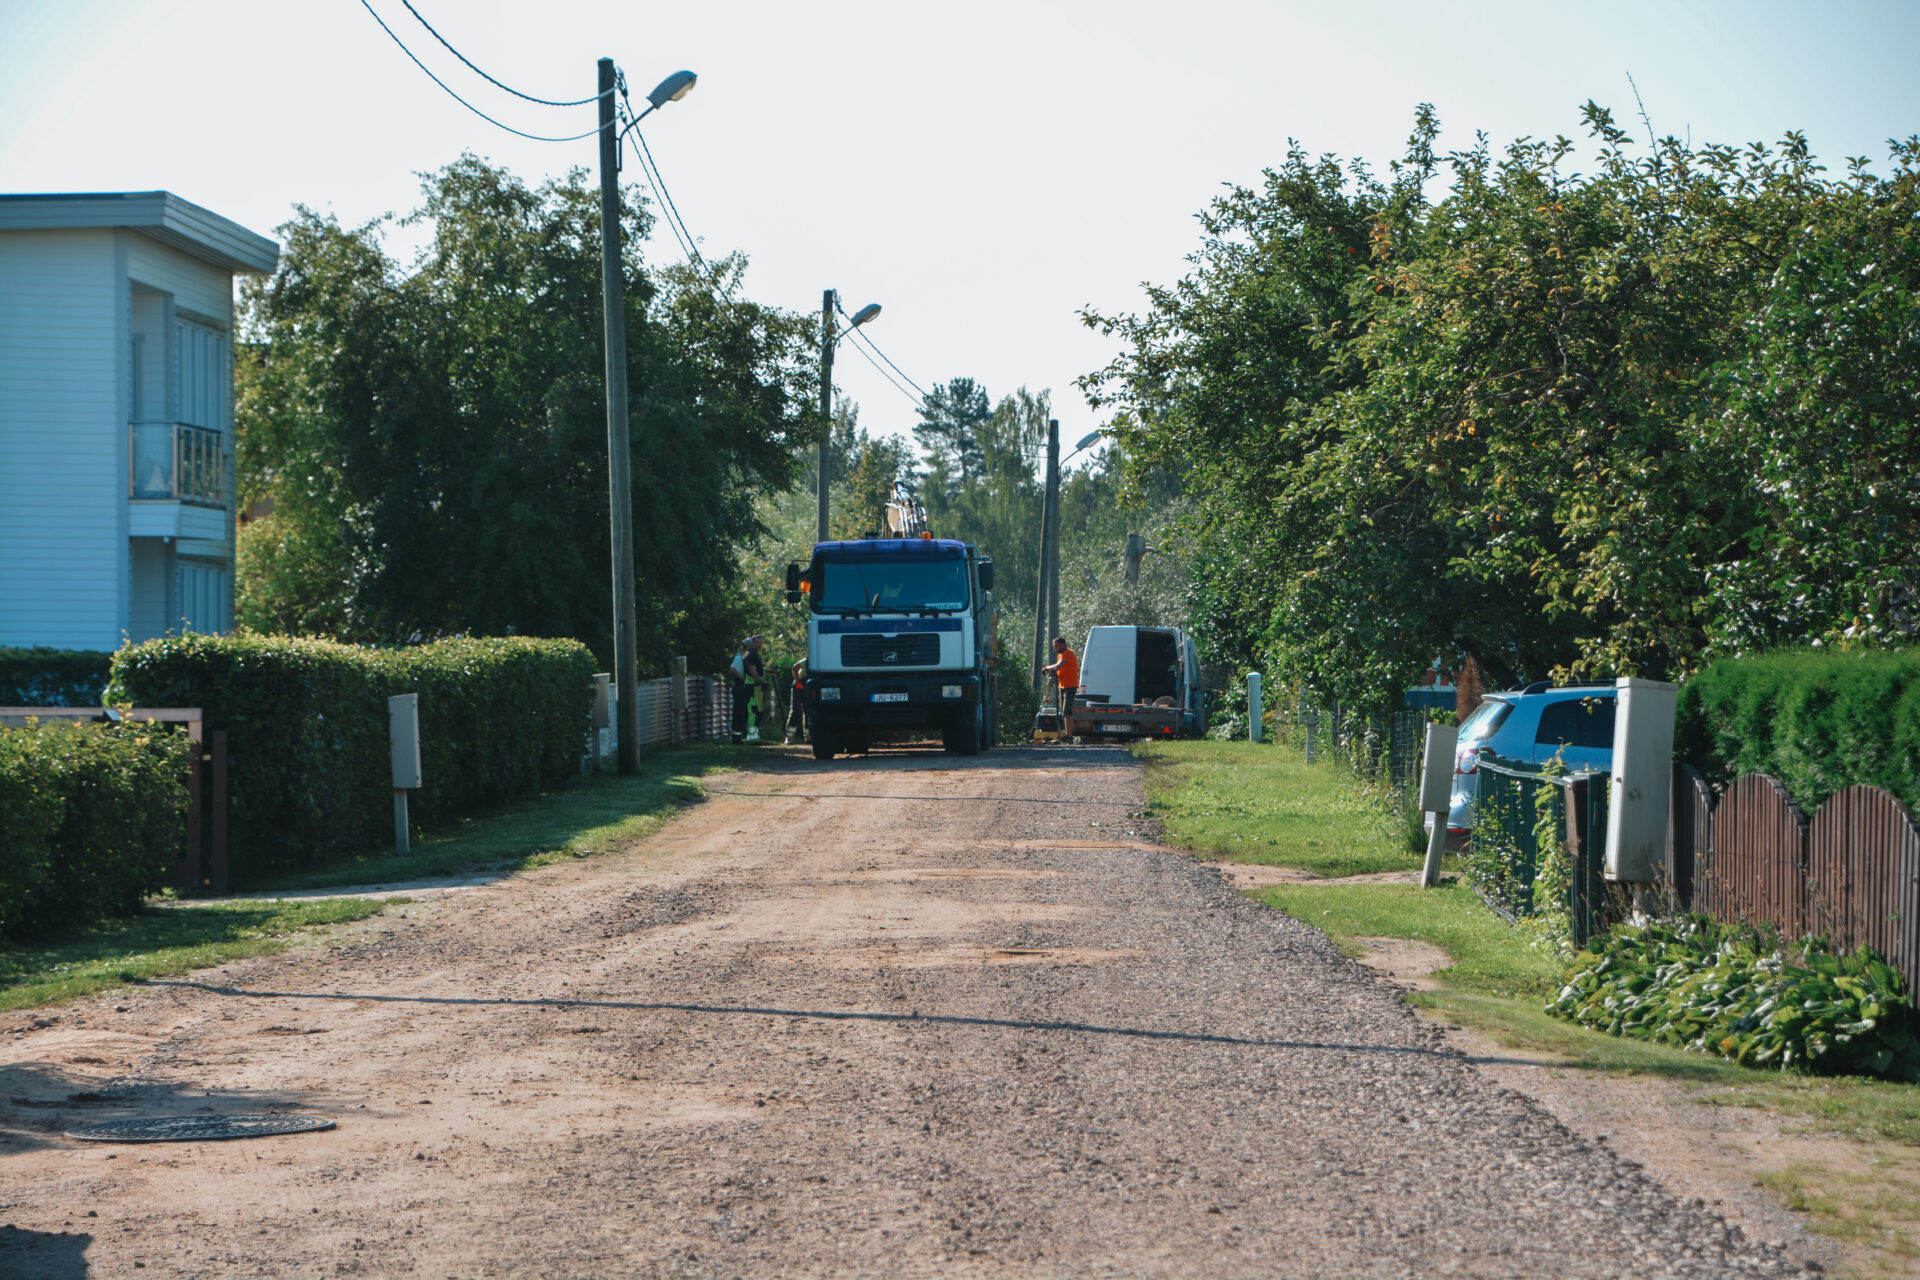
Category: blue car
<point>1531,725</point>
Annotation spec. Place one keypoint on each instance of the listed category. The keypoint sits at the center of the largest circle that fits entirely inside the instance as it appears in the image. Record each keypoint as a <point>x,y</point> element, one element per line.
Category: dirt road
<point>910,1015</point>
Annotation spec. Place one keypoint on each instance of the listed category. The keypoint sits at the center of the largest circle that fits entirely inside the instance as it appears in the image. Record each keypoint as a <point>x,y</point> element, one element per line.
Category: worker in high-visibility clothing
<point>1065,670</point>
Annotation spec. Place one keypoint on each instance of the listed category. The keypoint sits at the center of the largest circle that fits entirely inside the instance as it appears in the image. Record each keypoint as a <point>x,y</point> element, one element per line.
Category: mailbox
<point>403,732</point>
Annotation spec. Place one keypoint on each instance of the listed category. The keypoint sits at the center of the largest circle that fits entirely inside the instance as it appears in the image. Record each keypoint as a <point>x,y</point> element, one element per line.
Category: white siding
<point>64,381</point>
<point>152,581</point>
<point>195,285</point>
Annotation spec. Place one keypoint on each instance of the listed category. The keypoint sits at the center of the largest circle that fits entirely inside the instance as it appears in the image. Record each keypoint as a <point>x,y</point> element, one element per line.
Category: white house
<point>116,416</point>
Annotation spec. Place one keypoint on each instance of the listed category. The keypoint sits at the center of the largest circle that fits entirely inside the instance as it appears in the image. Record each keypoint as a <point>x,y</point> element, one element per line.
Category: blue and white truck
<point>901,635</point>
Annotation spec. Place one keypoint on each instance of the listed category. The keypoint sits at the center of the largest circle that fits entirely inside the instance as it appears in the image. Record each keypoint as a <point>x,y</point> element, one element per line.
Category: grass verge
<point>593,816</point>
<point>159,941</point>
<point>1265,804</point>
<point>587,817</point>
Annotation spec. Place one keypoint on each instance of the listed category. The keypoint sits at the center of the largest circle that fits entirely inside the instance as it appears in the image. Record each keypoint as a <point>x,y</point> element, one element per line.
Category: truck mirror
<point>986,575</point>
<point>793,584</point>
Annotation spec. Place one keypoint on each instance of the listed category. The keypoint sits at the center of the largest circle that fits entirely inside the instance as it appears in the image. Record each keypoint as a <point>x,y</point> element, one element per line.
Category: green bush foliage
<point>1734,991</point>
<point>42,677</point>
<point>1817,719</point>
<point>307,729</point>
<point>91,816</point>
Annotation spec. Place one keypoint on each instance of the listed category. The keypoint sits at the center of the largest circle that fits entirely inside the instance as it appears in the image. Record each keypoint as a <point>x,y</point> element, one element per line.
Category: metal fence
<point>706,716</point>
<point>1851,872</point>
<point>1521,814</point>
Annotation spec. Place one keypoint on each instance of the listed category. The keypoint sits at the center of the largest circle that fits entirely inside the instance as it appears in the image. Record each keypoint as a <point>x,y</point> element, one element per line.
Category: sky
<point>983,171</point>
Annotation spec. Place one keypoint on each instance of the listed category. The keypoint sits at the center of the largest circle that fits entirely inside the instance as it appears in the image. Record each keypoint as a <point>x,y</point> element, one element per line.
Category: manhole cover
<point>197,1128</point>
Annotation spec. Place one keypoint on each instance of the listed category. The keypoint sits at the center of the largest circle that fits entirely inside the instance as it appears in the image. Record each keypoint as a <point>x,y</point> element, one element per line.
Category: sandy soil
<point>909,1015</point>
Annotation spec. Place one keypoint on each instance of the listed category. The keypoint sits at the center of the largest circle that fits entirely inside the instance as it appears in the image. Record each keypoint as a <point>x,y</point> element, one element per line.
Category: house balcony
<point>177,484</point>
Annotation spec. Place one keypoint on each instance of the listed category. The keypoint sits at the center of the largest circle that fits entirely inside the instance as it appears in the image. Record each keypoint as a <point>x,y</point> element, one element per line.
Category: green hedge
<point>91,817</point>
<point>52,677</point>
<point>1817,719</point>
<point>307,730</point>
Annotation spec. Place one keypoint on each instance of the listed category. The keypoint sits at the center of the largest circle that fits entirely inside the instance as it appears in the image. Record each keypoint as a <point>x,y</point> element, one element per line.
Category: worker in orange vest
<point>1065,670</point>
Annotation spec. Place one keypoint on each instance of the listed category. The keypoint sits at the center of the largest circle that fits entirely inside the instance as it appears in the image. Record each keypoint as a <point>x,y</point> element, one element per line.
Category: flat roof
<point>160,215</point>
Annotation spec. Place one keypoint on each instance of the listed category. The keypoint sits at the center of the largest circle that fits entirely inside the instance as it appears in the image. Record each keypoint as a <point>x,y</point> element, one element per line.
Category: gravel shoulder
<point>908,1015</point>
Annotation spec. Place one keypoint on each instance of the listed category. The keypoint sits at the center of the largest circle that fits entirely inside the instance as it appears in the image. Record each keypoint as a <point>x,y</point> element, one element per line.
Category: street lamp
<point>626,657</point>
<point>1085,440</point>
<point>828,340</point>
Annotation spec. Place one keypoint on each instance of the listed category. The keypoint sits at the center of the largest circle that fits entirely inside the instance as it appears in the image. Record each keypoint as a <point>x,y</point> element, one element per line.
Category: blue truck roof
<point>931,547</point>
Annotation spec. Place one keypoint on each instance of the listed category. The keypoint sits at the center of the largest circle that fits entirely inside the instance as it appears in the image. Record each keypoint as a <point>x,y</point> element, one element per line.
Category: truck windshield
<point>892,586</point>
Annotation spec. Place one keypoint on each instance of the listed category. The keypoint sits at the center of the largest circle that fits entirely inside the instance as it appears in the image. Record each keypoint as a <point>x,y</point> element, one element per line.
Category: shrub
<point>1734,991</point>
<point>43,677</point>
<point>91,817</point>
<point>1817,719</point>
<point>306,724</point>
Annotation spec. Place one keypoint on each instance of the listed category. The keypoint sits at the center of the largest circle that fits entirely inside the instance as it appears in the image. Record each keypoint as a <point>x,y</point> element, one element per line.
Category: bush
<point>1017,706</point>
<point>91,817</point>
<point>1734,991</point>
<point>43,677</point>
<point>1817,719</point>
<point>306,724</point>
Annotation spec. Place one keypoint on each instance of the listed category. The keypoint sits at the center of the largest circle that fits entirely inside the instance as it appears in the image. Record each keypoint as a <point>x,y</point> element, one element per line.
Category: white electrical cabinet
<point>1642,775</point>
<point>1436,770</point>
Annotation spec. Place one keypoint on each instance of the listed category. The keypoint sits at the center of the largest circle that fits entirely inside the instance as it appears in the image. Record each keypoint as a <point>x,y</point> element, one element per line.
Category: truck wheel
<point>969,732</point>
<point>824,743</point>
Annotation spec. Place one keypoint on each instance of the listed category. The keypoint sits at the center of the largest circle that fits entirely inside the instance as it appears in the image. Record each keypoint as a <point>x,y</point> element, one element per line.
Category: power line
<point>917,400</point>
<point>883,355</point>
<point>545,102</point>
<point>456,97</point>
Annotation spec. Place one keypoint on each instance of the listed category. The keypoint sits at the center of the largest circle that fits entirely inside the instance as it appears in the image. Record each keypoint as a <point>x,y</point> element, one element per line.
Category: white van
<point>1139,682</point>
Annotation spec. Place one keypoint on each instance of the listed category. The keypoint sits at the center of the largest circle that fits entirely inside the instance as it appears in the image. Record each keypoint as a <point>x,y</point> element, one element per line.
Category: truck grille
<point>915,649</point>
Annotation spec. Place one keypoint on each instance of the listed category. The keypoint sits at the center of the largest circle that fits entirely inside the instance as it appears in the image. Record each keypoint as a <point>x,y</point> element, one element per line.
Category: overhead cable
<point>883,355</point>
<point>545,102</point>
<point>891,381</point>
<point>462,101</point>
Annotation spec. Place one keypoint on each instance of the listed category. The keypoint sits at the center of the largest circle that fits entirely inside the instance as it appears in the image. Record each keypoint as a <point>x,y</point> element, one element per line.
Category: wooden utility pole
<point>626,676</point>
<point>826,409</point>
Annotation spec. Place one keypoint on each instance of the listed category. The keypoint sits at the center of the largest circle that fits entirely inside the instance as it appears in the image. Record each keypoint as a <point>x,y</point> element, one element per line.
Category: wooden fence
<point>1851,871</point>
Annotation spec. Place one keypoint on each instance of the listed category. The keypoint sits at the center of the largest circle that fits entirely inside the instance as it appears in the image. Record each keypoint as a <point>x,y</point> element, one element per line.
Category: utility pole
<point>826,408</point>
<point>626,676</point>
<point>1040,632</point>
<point>1053,527</point>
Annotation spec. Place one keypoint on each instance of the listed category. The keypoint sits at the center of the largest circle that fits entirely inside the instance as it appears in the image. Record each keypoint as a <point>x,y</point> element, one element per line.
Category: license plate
<point>889,697</point>
<point>1116,728</point>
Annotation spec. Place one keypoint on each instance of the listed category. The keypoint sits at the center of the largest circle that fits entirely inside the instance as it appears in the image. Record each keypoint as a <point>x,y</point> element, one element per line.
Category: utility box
<point>602,700</point>
<point>1254,715</point>
<point>403,732</point>
<point>1642,775</point>
<point>1436,770</point>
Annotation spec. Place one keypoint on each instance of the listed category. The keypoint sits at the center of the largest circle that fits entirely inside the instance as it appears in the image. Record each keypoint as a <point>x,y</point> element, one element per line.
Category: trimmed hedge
<point>44,677</point>
<point>1817,719</point>
<point>306,722</point>
<point>91,817</point>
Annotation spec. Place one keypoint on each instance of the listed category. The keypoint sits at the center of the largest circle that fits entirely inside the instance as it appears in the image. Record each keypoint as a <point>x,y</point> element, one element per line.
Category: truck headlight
<point>829,695</point>
<point>949,690</point>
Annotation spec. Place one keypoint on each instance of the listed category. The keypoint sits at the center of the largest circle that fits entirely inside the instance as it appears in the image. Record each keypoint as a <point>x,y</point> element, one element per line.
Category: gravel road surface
<point>903,1016</point>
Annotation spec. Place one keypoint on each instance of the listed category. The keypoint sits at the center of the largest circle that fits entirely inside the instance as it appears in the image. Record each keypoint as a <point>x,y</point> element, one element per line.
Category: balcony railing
<point>177,463</point>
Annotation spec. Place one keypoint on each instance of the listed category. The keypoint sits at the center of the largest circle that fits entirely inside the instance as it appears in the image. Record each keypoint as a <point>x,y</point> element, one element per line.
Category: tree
<point>433,439</point>
<point>1604,423</point>
<point>951,418</point>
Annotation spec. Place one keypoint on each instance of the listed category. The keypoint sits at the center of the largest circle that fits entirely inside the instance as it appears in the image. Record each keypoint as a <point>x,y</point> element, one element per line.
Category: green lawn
<point>595,815</point>
<point>1266,804</point>
<point>161,940</point>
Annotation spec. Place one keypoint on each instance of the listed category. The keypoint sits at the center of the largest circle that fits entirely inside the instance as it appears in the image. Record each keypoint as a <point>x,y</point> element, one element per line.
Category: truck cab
<point>901,634</point>
<point>1139,682</point>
